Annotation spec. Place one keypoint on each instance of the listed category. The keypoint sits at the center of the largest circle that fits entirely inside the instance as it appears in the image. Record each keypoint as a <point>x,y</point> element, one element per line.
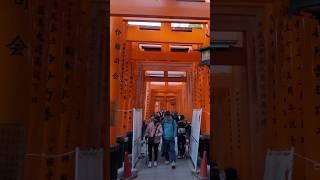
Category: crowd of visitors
<point>169,129</point>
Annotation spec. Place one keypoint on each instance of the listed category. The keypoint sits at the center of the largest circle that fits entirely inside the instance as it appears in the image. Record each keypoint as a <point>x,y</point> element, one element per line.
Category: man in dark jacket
<point>182,136</point>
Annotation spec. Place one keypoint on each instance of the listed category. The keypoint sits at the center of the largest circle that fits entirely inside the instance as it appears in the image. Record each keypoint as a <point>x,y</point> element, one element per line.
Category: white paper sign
<point>89,165</point>
<point>136,136</point>
<point>195,135</point>
<point>278,165</point>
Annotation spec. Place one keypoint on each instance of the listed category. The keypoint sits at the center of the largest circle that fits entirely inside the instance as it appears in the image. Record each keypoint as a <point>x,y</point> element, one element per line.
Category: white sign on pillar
<point>278,165</point>
<point>136,137</point>
<point>89,164</point>
<point>195,135</point>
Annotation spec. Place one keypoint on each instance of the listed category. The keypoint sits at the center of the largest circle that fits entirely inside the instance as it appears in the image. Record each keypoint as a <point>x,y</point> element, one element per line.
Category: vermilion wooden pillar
<point>70,112</point>
<point>53,103</point>
<point>38,48</point>
<point>311,93</point>
<point>116,38</point>
<point>15,85</point>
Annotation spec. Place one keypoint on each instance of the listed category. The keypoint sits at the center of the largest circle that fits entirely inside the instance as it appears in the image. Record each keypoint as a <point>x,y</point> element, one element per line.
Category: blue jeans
<point>169,150</point>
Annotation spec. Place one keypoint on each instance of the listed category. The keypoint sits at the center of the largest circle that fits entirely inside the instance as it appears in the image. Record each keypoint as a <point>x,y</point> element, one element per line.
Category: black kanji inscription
<point>287,27</point>
<point>117,61</point>
<point>316,50</point>
<point>118,32</point>
<point>318,89</point>
<point>55,4</point>
<point>292,140</point>
<point>290,90</point>
<point>51,58</point>
<point>48,114</point>
<point>317,110</point>
<point>117,46</point>
<point>66,79</point>
<point>67,66</point>
<point>78,115</point>
<point>50,95</point>
<point>50,76</point>
<point>115,76</point>
<point>19,1</point>
<point>17,46</point>
<point>317,71</point>
<point>292,124</point>
<point>297,24</point>
<point>316,32</point>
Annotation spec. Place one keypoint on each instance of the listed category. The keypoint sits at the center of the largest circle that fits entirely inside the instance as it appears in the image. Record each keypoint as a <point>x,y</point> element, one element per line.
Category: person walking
<point>169,136</point>
<point>182,137</point>
<point>153,135</point>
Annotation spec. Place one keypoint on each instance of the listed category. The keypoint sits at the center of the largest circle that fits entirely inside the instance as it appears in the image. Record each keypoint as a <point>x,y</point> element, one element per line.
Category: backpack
<point>181,128</point>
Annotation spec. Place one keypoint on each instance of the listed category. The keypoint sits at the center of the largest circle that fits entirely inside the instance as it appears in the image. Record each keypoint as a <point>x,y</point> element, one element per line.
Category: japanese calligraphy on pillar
<point>17,46</point>
<point>22,3</point>
<point>261,73</point>
<point>69,50</point>
<point>316,76</point>
<point>53,84</point>
<point>38,54</point>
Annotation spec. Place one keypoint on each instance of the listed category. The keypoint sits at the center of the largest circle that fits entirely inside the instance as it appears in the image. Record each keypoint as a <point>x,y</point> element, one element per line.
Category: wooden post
<point>15,85</point>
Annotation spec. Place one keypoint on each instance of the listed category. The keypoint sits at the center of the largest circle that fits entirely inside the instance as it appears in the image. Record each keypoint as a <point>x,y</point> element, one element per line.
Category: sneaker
<point>179,157</point>
<point>166,162</point>
<point>155,164</point>
<point>173,165</point>
<point>149,165</point>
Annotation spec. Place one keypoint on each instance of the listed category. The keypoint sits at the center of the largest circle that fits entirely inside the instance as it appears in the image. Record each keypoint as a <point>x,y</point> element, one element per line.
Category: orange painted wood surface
<point>135,58</point>
<point>283,86</point>
<point>166,8</point>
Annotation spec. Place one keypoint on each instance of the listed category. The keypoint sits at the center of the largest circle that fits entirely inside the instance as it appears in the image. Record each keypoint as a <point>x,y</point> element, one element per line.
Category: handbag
<point>151,139</point>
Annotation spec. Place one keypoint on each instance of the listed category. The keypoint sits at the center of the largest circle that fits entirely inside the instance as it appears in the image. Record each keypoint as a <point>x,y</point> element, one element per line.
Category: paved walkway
<point>182,171</point>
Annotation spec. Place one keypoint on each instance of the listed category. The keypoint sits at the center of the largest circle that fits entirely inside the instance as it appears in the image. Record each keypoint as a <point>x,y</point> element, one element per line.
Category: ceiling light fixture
<point>137,23</point>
